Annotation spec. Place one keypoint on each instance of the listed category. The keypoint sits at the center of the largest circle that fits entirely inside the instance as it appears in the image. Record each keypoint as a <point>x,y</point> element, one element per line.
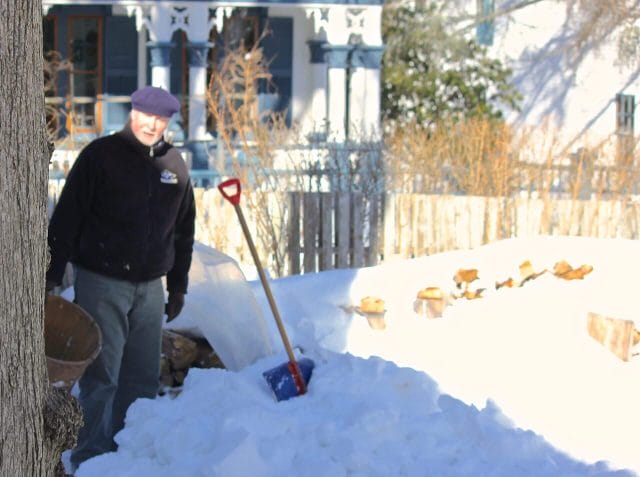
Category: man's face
<point>148,128</point>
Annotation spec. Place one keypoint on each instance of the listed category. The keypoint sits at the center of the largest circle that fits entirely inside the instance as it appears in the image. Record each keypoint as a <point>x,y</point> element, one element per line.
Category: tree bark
<point>29,445</point>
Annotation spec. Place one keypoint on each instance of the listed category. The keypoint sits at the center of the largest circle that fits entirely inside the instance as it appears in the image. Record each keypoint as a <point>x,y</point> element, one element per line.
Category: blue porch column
<point>160,64</point>
<point>198,56</point>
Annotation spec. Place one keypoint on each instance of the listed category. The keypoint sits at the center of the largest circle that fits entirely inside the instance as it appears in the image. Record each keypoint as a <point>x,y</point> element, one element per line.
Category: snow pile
<point>507,385</point>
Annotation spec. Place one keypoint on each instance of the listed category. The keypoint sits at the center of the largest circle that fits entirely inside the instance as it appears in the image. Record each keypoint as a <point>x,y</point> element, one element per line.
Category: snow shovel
<point>289,379</point>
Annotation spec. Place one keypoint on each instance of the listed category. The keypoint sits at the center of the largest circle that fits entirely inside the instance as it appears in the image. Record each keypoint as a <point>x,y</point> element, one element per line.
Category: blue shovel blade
<point>282,382</point>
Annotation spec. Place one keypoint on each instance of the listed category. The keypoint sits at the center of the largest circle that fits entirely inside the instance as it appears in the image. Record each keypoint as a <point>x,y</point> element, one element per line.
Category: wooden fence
<point>339,230</point>
<point>421,224</point>
<point>322,231</point>
<point>333,230</point>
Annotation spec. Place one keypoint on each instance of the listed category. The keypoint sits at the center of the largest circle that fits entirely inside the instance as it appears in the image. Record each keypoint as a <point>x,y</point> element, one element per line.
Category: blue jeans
<point>128,367</point>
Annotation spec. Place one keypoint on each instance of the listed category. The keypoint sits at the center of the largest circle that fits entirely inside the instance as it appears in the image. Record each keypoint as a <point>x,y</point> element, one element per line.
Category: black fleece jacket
<point>126,211</point>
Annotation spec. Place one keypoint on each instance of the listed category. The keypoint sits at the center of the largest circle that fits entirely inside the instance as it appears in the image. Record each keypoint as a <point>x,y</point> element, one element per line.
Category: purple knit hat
<point>153,100</point>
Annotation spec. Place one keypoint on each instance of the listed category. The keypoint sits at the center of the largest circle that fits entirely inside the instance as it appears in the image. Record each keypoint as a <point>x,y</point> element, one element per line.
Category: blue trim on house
<point>317,51</point>
<point>364,56</point>
<point>221,4</point>
<point>198,53</point>
<point>345,56</point>
<point>337,56</point>
<point>199,154</point>
<point>160,51</point>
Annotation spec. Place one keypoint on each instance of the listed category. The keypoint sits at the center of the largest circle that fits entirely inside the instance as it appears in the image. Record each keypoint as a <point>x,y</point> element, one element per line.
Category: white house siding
<point>578,97</point>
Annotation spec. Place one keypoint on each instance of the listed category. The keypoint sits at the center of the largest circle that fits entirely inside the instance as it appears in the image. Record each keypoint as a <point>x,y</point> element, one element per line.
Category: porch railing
<point>82,117</point>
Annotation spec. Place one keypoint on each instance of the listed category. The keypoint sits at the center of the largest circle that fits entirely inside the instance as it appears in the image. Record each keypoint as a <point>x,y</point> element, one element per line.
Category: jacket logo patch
<point>168,177</point>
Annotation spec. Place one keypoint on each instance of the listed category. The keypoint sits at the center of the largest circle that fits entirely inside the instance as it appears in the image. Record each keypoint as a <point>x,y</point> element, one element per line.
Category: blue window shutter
<point>120,69</point>
<point>121,55</point>
<point>179,65</point>
<point>278,52</point>
<point>485,29</point>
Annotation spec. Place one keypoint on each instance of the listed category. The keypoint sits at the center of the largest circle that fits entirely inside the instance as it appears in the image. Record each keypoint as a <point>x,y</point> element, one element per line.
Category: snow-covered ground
<point>507,385</point>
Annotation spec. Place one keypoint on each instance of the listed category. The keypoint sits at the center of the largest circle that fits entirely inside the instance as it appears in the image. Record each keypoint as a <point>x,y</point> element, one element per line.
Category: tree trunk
<point>29,442</point>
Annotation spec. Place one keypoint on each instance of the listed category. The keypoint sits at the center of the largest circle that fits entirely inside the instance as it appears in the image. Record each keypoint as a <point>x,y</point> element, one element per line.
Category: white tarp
<point>222,307</point>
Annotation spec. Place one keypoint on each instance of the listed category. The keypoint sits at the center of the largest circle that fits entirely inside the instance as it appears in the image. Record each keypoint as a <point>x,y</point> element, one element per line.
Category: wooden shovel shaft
<point>293,365</point>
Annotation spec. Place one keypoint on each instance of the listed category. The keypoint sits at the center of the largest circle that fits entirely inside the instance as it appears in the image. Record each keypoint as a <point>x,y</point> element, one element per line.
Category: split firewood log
<point>178,376</point>
<point>577,273</point>
<point>561,267</point>
<point>473,294</point>
<point>615,334</point>
<point>373,309</point>
<point>527,272</point>
<point>463,277</point>
<point>430,302</point>
<point>565,271</point>
<point>371,304</point>
<point>206,356</point>
<point>179,350</point>
<point>166,378</point>
<point>180,353</point>
<point>430,293</point>
<point>526,269</point>
<point>508,283</point>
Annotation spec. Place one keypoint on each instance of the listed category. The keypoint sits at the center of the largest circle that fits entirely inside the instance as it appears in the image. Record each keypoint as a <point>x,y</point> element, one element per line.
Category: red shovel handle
<point>298,380</point>
<point>233,197</point>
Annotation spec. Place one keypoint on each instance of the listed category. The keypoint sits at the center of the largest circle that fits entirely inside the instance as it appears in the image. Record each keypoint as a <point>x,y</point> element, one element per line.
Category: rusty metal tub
<point>72,341</point>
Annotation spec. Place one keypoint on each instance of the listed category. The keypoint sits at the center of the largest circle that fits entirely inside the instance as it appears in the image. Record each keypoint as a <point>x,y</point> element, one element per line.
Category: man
<point>125,219</point>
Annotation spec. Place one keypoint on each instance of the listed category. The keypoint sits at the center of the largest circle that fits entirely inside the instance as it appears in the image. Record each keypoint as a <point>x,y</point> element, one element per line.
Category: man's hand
<point>174,305</point>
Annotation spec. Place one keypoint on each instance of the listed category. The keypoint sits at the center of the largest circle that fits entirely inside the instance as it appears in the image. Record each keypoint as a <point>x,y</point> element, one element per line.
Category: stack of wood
<point>180,353</point>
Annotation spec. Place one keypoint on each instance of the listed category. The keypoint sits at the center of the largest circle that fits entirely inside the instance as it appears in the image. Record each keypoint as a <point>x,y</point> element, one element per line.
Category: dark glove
<point>174,305</point>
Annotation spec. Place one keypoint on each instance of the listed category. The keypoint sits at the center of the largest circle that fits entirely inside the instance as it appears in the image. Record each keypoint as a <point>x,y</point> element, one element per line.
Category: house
<point>587,95</point>
<point>324,57</point>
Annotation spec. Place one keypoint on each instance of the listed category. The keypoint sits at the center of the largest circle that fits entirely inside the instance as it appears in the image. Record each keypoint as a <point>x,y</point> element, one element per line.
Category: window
<point>485,27</point>
<point>85,54</point>
<point>625,110</point>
